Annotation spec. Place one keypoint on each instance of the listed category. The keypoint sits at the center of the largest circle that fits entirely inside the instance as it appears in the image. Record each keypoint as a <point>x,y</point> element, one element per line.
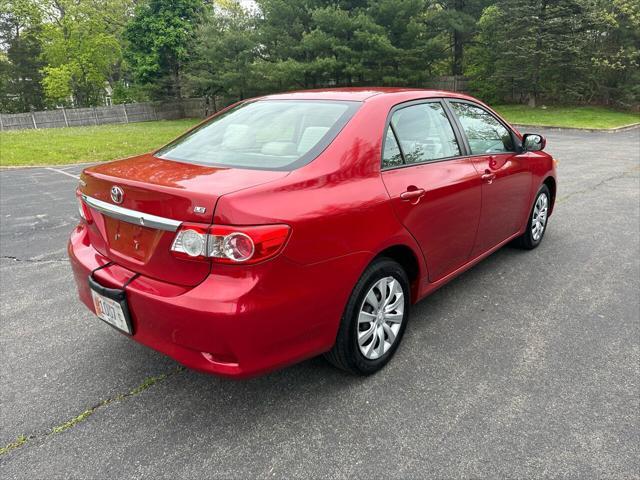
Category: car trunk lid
<point>137,230</point>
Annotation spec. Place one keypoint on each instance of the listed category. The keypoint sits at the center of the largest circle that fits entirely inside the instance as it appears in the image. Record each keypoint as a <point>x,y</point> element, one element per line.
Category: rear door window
<point>391,156</point>
<point>425,133</point>
<point>485,133</point>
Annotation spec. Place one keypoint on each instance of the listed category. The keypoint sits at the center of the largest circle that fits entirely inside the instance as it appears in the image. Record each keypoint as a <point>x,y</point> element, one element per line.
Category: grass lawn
<point>574,117</point>
<point>57,146</point>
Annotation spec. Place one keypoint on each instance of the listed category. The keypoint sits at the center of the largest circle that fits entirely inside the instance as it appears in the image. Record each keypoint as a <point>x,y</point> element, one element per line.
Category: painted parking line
<point>73,166</point>
<point>57,170</point>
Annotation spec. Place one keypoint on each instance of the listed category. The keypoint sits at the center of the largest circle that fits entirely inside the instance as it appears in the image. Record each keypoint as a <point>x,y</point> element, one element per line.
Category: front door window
<point>486,135</point>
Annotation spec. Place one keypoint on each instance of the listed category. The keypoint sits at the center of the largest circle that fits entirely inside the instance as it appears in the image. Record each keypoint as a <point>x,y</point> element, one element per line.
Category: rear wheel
<point>538,218</point>
<point>374,320</point>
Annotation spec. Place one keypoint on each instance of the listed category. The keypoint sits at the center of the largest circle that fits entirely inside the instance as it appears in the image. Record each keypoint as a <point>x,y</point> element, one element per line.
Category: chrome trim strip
<point>132,216</point>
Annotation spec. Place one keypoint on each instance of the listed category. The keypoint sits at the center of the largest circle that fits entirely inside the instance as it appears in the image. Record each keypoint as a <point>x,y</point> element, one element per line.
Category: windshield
<point>265,134</point>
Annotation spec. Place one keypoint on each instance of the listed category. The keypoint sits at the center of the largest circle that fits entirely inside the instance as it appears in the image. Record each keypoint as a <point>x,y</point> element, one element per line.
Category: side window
<point>484,132</point>
<point>424,133</point>
<point>391,157</point>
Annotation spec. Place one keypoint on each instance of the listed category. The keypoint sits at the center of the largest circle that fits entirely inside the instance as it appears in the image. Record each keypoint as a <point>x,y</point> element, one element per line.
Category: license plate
<point>110,311</point>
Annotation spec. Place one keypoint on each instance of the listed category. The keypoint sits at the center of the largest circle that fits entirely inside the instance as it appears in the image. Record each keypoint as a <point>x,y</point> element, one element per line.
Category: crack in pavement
<point>601,183</point>
<point>33,260</point>
<point>69,424</point>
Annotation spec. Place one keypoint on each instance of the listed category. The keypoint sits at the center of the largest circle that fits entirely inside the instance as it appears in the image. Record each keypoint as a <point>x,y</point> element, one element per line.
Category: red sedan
<point>304,223</point>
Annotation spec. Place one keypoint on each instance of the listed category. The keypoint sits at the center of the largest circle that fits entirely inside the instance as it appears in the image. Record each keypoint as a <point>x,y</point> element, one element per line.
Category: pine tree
<point>536,49</point>
<point>20,77</point>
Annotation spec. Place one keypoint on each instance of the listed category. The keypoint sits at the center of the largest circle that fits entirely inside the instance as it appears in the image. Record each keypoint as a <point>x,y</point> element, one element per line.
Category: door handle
<point>488,177</point>
<point>414,195</point>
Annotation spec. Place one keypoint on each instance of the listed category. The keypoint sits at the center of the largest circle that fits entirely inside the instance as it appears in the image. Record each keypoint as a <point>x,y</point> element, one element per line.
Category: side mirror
<point>532,142</point>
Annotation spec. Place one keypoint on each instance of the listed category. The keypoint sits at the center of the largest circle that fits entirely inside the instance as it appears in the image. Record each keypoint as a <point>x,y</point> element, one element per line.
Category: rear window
<point>265,134</point>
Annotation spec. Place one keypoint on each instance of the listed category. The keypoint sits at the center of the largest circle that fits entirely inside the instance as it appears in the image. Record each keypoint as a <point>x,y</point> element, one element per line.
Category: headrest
<point>237,135</point>
<point>279,148</point>
<point>310,137</point>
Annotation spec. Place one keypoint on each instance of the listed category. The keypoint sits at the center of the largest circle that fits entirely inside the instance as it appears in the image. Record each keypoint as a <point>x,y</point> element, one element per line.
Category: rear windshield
<point>264,134</point>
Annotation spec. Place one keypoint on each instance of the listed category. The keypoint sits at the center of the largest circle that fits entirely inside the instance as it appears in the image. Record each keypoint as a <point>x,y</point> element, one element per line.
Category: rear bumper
<point>240,321</point>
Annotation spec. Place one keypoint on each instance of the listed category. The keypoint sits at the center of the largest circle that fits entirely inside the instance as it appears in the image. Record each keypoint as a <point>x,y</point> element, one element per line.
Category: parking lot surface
<point>526,365</point>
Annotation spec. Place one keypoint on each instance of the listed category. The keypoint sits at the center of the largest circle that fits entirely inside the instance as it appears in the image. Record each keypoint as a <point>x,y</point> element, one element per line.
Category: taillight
<point>191,242</point>
<point>83,210</point>
<point>231,245</point>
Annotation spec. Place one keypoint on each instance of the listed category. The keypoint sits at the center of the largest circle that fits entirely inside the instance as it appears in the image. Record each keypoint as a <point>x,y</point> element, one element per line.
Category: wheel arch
<point>550,182</point>
<point>408,259</point>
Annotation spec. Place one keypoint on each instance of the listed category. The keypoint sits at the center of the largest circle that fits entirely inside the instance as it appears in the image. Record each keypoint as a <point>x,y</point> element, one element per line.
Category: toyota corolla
<point>305,223</point>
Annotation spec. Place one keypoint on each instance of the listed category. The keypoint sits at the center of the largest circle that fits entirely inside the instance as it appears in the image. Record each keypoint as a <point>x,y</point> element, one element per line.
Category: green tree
<point>160,39</point>
<point>6,103</point>
<point>419,48</point>
<point>17,16</point>
<point>224,53</point>
<point>309,43</point>
<point>20,27</point>
<point>457,21</point>
<point>346,47</point>
<point>24,55</point>
<point>82,48</point>
<point>536,49</point>
<point>615,75</point>
<point>280,27</point>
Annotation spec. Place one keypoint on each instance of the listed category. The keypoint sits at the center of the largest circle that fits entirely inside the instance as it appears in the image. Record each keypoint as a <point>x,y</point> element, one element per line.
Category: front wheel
<point>374,319</point>
<point>538,219</point>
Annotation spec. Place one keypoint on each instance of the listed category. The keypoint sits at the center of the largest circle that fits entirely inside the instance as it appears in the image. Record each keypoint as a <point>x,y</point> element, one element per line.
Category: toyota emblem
<point>117,195</point>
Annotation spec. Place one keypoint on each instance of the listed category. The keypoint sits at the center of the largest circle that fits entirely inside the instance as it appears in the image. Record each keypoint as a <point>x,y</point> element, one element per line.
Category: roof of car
<point>361,94</point>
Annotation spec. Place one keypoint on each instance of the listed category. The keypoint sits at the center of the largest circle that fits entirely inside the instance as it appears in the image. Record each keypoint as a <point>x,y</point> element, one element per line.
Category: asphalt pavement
<point>526,365</point>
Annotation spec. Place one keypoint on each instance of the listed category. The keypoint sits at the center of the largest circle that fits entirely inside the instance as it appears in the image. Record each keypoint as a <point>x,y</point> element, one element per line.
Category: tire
<point>348,353</point>
<point>532,237</point>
